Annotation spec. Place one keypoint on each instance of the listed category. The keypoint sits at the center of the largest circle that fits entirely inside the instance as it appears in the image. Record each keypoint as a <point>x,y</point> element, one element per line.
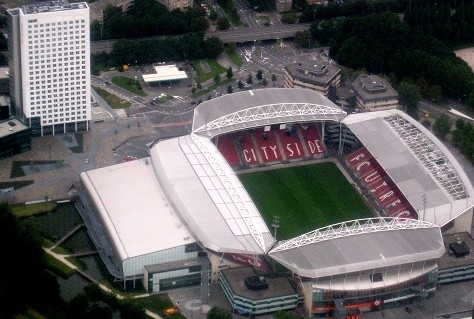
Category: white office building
<point>49,48</point>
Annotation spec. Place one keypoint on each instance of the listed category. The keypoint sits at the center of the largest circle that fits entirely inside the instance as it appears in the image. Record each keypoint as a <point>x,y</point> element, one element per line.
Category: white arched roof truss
<point>270,114</point>
<point>353,227</point>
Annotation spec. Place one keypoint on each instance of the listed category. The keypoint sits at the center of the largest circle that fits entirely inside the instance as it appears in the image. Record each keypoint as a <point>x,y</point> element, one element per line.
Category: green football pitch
<point>304,197</point>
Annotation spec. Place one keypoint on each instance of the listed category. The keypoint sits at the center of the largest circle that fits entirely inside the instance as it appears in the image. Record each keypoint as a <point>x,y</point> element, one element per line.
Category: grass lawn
<point>210,88</point>
<point>235,58</point>
<point>131,85</point>
<point>158,303</point>
<point>113,100</point>
<point>304,197</point>
<point>202,75</point>
<point>57,267</point>
<point>22,211</point>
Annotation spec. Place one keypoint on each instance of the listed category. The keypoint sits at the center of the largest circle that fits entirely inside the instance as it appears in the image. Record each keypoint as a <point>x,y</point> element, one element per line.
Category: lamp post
<point>423,199</point>
<point>276,224</point>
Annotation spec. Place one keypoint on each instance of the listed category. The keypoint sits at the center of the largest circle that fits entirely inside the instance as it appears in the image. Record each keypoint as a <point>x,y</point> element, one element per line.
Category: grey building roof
<point>372,88</point>
<point>313,72</point>
<point>11,126</point>
<point>50,6</point>
<point>358,246</point>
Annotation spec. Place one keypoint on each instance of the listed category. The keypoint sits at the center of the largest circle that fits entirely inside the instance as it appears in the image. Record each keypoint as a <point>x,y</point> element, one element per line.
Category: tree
<point>240,85</point>
<point>442,126</point>
<point>25,268</point>
<point>229,73</point>
<point>274,77</point>
<point>217,78</point>
<point>223,23</point>
<point>289,17</point>
<point>249,79</point>
<point>410,96</point>
<point>213,16</point>
<point>230,89</point>
<point>213,47</point>
<point>129,309</point>
<point>303,38</point>
<point>259,75</point>
<point>200,24</point>
<point>78,307</point>
<point>218,313</point>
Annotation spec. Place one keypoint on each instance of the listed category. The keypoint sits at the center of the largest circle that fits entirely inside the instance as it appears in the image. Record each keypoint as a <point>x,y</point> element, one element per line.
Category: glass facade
<point>15,143</point>
<point>326,302</point>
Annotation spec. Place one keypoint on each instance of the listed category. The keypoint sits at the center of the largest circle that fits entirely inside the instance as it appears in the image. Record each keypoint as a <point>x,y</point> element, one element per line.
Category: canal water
<point>55,226</point>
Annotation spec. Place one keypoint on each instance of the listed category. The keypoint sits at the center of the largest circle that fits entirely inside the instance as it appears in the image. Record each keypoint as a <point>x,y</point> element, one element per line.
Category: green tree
<point>223,23</point>
<point>304,38</point>
<point>230,89</point>
<point>289,17</point>
<point>240,85</point>
<point>442,126</point>
<point>410,96</point>
<point>217,78</point>
<point>259,75</point>
<point>229,74</point>
<point>213,16</point>
<point>200,24</point>
<point>130,309</point>
<point>25,268</point>
<point>218,313</point>
<point>249,79</point>
<point>213,47</point>
<point>78,307</point>
<point>274,77</point>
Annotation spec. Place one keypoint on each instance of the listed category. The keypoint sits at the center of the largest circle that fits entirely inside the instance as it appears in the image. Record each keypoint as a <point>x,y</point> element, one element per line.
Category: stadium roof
<point>262,107</point>
<point>209,197</point>
<point>332,250</point>
<point>418,163</point>
<point>132,207</point>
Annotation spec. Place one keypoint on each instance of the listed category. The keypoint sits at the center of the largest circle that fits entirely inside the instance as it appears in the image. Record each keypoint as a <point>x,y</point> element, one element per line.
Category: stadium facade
<point>181,216</point>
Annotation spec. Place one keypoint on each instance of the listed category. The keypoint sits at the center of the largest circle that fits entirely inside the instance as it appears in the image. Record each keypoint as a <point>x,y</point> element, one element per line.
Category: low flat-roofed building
<point>457,263</point>
<point>316,76</point>
<point>274,295</point>
<point>163,73</point>
<point>374,94</point>
<point>15,138</point>
<point>177,4</point>
<point>283,5</point>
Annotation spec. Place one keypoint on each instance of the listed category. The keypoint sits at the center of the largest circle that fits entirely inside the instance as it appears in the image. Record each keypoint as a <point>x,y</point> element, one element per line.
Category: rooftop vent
<point>256,283</point>
<point>459,249</point>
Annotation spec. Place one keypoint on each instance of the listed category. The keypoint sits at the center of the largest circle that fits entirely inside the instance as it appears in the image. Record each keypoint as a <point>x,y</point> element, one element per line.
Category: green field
<point>304,197</point>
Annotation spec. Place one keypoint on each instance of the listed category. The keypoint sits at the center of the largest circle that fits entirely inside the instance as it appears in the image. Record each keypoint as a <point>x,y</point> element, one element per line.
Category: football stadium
<point>351,206</point>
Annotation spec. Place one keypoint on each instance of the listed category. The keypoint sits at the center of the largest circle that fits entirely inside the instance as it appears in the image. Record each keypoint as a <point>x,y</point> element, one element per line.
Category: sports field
<point>304,197</point>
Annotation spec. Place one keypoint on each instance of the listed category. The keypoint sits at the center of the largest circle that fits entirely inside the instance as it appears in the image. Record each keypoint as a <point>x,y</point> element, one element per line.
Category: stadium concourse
<point>181,216</point>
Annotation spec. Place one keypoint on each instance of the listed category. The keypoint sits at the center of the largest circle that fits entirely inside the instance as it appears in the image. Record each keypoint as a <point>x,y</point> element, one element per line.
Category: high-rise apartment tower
<point>49,52</point>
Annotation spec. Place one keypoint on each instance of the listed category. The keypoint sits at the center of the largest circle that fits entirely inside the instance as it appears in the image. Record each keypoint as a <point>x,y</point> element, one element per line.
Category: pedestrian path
<point>63,258</point>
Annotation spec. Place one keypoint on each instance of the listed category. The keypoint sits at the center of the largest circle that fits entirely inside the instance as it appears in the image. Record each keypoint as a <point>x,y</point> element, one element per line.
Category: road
<point>228,36</point>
